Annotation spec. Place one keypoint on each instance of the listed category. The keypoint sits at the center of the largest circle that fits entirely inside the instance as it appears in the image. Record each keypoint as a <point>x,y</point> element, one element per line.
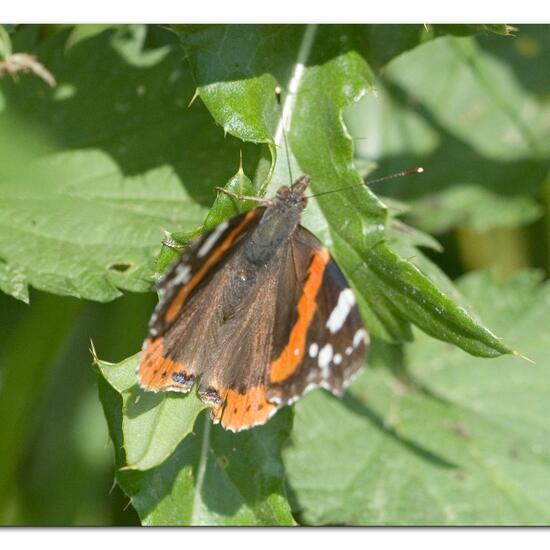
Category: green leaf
<point>474,207</point>
<point>224,207</point>
<point>12,281</point>
<point>322,73</point>
<point>84,211</point>
<point>5,43</point>
<point>214,477</point>
<point>476,127</point>
<point>483,108</point>
<point>420,301</point>
<point>153,423</point>
<point>431,435</point>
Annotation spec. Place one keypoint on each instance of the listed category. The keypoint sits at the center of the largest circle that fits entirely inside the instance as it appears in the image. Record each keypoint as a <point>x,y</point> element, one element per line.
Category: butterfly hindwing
<point>335,342</point>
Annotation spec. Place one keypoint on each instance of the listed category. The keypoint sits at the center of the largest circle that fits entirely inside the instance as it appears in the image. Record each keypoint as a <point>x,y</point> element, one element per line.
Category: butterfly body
<point>255,313</point>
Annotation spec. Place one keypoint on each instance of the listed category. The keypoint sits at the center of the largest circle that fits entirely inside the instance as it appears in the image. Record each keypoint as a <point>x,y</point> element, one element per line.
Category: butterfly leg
<point>242,197</point>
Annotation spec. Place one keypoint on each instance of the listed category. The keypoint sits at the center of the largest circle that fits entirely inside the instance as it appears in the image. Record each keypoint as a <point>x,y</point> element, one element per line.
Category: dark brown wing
<point>247,339</point>
<point>317,335</point>
<point>226,330</point>
<point>159,368</point>
<point>335,342</point>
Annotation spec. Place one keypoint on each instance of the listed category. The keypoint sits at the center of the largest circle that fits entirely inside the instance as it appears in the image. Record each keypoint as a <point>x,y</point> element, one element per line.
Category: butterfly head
<point>294,195</point>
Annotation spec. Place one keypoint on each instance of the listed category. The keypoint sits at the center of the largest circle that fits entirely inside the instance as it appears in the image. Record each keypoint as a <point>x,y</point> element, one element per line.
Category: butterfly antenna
<point>408,172</point>
<point>278,93</point>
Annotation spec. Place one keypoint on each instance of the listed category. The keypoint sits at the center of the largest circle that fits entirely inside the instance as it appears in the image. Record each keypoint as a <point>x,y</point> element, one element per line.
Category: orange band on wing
<point>293,353</point>
<point>243,410</point>
<point>155,371</point>
<point>176,304</point>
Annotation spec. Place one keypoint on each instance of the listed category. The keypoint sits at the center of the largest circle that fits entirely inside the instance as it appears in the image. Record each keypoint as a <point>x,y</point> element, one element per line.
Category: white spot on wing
<point>338,316</point>
<point>349,350</point>
<point>325,357</point>
<point>360,336</point>
<point>337,359</point>
<point>183,272</point>
<point>313,350</point>
<point>209,243</point>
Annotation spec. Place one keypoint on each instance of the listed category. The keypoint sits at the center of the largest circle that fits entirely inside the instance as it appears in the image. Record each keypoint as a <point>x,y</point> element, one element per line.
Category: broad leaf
<point>214,477</point>
<point>432,436</point>
<point>83,212</point>
<point>322,74</point>
<point>476,105</point>
<point>153,423</point>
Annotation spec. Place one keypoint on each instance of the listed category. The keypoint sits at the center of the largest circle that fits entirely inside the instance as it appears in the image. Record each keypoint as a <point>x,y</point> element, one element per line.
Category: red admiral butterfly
<point>256,313</point>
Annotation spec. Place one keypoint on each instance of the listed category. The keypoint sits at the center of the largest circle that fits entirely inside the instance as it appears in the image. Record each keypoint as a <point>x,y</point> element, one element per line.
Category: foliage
<point>96,172</point>
<point>213,478</point>
<point>439,438</point>
<point>484,116</point>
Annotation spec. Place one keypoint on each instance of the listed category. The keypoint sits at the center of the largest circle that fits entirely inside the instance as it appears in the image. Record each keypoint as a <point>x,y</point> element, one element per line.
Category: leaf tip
<point>195,95</point>
<point>93,352</point>
<point>524,357</point>
<point>95,359</point>
<point>241,171</point>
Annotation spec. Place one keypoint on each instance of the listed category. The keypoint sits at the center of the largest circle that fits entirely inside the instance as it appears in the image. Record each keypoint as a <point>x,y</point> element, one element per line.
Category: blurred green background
<point>485,195</point>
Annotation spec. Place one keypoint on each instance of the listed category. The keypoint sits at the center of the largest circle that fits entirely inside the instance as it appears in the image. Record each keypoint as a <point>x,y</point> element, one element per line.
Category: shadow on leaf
<point>358,407</point>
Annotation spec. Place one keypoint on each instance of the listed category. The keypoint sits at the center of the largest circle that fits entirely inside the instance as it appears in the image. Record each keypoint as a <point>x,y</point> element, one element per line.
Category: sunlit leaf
<point>153,423</point>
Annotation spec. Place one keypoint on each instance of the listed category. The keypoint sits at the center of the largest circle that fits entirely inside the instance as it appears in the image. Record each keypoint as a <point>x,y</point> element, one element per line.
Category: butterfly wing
<point>207,331</point>
<point>248,339</point>
<point>159,368</point>
<point>328,341</point>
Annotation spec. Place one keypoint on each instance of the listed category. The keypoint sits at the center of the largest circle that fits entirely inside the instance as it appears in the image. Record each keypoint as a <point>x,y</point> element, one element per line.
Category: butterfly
<point>254,313</point>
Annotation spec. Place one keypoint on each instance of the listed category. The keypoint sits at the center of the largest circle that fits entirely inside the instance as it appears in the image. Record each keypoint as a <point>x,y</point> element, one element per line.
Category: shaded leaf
<point>29,356</point>
<point>472,112</point>
<point>485,106</point>
<point>214,477</point>
<point>473,207</point>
